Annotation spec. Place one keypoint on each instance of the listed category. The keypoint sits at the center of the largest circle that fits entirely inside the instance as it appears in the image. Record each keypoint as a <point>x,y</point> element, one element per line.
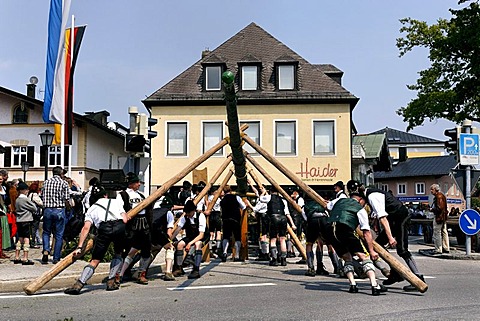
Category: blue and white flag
<point>54,102</point>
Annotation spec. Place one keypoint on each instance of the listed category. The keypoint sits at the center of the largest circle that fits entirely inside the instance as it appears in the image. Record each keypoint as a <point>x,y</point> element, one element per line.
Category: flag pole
<point>72,45</point>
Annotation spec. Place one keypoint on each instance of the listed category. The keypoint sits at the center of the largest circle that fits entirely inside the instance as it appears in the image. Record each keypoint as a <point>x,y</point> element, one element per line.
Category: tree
<point>450,88</point>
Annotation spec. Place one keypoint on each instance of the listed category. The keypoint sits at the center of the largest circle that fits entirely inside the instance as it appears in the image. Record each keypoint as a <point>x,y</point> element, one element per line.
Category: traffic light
<point>134,143</point>
<point>145,125</point>
<point>452,144</point>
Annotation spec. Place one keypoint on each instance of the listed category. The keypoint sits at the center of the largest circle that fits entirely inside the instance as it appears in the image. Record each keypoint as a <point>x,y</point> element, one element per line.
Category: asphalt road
<point>256,291</point>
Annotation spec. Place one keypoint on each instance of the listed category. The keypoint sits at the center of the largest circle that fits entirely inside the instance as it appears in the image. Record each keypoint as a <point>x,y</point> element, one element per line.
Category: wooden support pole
<point>289,199</point>
<point>256,180</point>
<point>63,264</point>
<point>392,261</point>
<point>285,171</point>
<point>43,279</point>
<point>399,267</point>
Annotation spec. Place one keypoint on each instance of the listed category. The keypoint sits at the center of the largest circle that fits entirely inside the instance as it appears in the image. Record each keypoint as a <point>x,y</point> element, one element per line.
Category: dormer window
<point>286,77</point>
<point>213,77</point>
<point>249,77</point>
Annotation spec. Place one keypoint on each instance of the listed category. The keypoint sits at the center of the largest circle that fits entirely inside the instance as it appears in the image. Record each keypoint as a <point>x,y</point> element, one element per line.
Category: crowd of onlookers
<point>21,215</point>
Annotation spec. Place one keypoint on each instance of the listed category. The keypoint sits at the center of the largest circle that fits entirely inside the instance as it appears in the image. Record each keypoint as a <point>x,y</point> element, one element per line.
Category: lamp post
<point>46,138</point>
<point>25,167</point>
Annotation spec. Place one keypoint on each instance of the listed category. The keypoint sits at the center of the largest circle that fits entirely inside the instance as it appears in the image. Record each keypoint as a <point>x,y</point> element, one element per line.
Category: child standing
<point>24,213</point>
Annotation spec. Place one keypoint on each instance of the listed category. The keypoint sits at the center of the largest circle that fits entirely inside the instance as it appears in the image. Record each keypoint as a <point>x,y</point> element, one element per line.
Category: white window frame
<point>184,153</point>
<point>55,153</point>
<point>19,155</point>
<point>256,137</point>
<point>401,188</point>
<point>419,188</point>
<point>332,138</point>
<point>218,72</point>
<point>282,73</point>
<point>384,187</point>
<point>212,140</point>
<point>251,76</point>
<point>295,139</point>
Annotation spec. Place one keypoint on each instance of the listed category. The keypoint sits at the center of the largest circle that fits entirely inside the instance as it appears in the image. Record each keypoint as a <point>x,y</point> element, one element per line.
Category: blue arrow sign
<point>469,222</point>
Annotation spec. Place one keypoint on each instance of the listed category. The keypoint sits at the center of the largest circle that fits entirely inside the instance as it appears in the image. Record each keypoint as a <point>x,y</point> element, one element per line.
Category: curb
<point>453,255</point>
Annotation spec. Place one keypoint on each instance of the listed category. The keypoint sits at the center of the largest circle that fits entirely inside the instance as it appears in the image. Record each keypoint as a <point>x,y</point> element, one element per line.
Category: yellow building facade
<point>297,111</point>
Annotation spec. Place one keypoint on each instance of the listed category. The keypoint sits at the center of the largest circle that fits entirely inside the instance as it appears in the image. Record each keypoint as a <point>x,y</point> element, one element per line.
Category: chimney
<point>205,52</point>
<point>32,86</point>
<point>402,154</point>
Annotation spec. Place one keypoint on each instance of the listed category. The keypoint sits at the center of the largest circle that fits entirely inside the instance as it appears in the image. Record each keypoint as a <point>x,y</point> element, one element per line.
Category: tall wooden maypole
<point>234,132</point>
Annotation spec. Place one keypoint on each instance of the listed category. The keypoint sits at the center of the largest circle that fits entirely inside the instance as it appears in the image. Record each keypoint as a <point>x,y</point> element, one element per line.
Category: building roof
<point>376,150</point>
<point>254,44</point>
<point>421,166</point>
<point>395,136</point>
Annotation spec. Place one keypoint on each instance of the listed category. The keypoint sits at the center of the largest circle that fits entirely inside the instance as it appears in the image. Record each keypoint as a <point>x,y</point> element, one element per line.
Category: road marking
<point>182,288</point>
<point>16,296</point>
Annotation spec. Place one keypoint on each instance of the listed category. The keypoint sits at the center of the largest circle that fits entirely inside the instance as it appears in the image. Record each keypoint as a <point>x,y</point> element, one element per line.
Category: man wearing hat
<point>138,229</point>
<point>339,189</point>
<point>24,214</point>
<point>109,218</point>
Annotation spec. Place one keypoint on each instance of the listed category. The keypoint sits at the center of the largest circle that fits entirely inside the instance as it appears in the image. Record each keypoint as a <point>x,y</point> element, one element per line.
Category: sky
<point>132,48</point>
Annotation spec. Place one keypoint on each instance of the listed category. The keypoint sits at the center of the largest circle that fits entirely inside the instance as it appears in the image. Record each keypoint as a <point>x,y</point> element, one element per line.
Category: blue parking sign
<point>469,149</point>
<point>469,222</point>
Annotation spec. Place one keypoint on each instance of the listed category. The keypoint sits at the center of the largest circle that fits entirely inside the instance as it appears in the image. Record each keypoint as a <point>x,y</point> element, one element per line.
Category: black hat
<point>98,192</point>
<point>132,178</point>
<point>339,184</point>
<point>167,202</point>
<point>189,206</point>
<point>22,186</point>
<point>186,184</point>
<point>353,185</point>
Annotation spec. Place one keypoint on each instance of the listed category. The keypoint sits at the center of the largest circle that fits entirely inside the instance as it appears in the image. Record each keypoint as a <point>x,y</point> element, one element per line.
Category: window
<point>420,188</point>
<point>213,77</point>
<point>19,155</point>
<point>20,114</point>
<point>324,137</point>
<point>54,155</point>
<point>285,138</point>
<point>249,77</point>
<point>253,131</point>
<point>402,188</point>
<point>286,77</point>
<point>212,135</point>
<point>384,187</point>
<point>177,139</point>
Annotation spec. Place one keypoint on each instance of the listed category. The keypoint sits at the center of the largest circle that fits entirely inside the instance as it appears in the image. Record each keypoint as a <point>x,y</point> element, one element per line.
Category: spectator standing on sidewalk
<point>24,214</point>
<point>439,209</point>
<point>55,194</point>
<point>34,195</point>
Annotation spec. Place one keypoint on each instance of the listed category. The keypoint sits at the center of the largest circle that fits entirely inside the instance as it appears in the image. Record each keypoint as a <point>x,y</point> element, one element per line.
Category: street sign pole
<point>467,124</point>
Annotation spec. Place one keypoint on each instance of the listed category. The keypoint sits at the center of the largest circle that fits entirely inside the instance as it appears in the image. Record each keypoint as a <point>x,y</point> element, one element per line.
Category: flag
<point>69,71</point>
<point>54,102</point>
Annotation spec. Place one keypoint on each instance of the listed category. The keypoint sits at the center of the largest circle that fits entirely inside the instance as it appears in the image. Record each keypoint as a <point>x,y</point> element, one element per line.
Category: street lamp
<point>25,167</point>
<point>46,138</point>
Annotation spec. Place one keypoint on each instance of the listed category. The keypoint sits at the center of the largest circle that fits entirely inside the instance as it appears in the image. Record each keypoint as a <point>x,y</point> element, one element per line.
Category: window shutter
<point>7,157</point>
<point>42,155</point>
<point>30,153</point>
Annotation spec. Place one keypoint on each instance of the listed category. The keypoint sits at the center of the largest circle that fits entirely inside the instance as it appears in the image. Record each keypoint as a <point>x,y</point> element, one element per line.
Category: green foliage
<point>475,202</point>
<point>450,88</point>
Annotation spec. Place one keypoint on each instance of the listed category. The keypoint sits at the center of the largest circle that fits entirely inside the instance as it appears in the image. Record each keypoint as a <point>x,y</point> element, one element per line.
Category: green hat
<point>132,178</point>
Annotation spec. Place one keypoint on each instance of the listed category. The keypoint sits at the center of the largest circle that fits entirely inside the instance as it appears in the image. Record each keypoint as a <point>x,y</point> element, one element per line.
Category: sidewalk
<point>13,277</point>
